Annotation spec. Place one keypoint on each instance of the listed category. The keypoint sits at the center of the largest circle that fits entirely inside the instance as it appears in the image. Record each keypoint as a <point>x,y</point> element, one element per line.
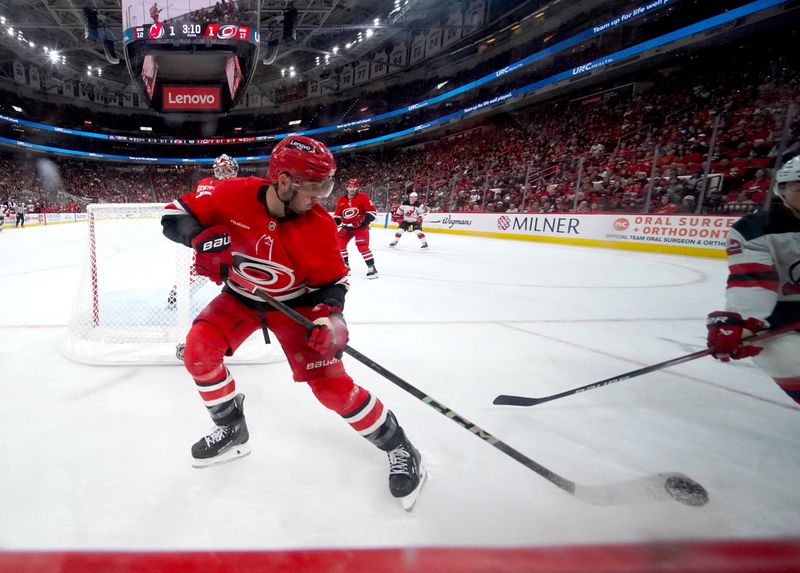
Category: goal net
<point>139,293</point>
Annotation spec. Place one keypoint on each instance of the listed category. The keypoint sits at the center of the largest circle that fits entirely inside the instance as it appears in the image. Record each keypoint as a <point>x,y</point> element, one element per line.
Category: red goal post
<point>138,293</point>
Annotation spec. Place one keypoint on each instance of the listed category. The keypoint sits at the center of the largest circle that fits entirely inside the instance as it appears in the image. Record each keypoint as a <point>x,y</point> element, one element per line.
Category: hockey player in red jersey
<point>354,213</point>
<point>764,286</point>
<point>274,233</point>
<point>410,214</point>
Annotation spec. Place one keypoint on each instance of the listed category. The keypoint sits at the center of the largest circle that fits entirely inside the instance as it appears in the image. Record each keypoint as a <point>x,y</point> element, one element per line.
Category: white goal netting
<point>138,293</point>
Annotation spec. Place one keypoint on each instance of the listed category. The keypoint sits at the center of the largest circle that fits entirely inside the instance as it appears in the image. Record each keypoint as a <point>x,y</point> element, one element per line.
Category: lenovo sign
<point>192,97</point>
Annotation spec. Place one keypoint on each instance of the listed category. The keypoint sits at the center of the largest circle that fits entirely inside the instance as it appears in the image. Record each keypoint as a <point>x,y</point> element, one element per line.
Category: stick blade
<point>506,400</point>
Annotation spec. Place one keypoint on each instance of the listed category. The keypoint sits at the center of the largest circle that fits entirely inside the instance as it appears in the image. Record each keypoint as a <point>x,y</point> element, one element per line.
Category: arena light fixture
<point>54,56</point>
<point>16,108</point>
<point>31,44</point>
<point>145,128</point>
<point>295,122</point>
<point>370,32</point>
<point>10,31</point>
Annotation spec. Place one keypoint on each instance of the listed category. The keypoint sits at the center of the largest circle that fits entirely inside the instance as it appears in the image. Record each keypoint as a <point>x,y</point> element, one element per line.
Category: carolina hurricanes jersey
<point>287,258</point>
<point>411,213</point>
<point>353,211</point>
<point>764,265</point>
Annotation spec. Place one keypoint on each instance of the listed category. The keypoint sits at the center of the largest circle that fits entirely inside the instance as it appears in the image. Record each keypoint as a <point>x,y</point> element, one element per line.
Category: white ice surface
<point>98,457</point>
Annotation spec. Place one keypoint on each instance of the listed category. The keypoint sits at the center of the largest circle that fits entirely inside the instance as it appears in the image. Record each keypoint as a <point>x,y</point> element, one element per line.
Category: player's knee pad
<point>205,348</point>
<point>337,393</point>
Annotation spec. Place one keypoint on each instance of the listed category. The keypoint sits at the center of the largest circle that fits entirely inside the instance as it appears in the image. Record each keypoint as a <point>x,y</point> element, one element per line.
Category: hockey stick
<point>507,400</point>
<point>656,487</point>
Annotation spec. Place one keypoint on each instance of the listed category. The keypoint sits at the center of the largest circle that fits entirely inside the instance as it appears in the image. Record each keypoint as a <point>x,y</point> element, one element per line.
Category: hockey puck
<point>686,491</point>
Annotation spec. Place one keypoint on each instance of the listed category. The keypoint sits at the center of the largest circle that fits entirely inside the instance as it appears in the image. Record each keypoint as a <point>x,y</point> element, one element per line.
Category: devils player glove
<point>213,254</point>
<point>726,331</point>
<point>329,334</point>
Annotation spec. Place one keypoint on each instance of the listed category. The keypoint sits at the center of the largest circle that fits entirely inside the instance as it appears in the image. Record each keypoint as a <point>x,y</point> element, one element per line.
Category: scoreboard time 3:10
<point>194,31</point>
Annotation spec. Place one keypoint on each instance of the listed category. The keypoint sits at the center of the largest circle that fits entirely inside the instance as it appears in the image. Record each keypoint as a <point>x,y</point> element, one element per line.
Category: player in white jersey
<point>764,286</point>
<point>409,214</point>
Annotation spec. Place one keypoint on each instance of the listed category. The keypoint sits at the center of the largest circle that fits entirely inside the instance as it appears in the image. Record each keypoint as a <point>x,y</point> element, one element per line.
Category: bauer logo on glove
<point>728,333</point>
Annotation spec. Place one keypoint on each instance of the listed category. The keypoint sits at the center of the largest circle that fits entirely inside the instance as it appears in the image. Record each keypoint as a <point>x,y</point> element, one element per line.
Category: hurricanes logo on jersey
<point>268,275</point>
<point>351,215</point>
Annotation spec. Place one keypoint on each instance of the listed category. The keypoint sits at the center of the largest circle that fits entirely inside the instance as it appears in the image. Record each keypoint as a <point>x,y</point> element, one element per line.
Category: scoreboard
<point>191,32</point>
<point>191,56</point>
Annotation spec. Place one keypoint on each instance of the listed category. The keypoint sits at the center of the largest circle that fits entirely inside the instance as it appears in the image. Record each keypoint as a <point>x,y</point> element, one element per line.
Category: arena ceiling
<point>320,24</point>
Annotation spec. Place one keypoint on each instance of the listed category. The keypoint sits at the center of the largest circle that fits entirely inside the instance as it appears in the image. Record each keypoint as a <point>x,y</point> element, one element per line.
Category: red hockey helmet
<point>308,161</point>
<point>353,183</point>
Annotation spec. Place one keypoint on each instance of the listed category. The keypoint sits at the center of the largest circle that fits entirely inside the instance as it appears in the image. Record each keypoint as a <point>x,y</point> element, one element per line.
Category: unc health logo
<point>503,222</point>
<point>621,224</point>
<point>156,31</point>
<point>268,275</point>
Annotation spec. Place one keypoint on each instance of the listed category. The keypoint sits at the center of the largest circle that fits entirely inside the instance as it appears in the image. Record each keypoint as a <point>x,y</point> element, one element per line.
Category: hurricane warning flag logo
<point>156,31</point>
<point>503,222</point>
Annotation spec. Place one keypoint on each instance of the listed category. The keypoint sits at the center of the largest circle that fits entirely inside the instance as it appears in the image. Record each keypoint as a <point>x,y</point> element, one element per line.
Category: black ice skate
<point>393,243</point>
<point>424,246</point>
<point>406,474</point>
<point>372,272</point>
<point>225,443</point>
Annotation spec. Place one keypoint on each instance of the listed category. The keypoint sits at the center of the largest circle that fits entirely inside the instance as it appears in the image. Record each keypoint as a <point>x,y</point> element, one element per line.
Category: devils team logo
<point>621,224</point>
<point>503,222</point>
<point>227,32</point>
<point>156,31</point>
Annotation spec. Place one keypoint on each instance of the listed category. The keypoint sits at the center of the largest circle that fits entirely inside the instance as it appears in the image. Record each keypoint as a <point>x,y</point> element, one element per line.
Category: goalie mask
<point>225,167</point>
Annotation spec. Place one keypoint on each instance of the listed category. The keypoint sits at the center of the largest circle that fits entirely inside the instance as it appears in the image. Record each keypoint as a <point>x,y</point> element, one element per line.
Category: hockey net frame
<point>139,293</point>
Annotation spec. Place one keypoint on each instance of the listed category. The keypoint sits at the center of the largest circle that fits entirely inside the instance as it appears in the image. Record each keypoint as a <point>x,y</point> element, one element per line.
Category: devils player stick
<point>507,400</point>
<point>656,487</point>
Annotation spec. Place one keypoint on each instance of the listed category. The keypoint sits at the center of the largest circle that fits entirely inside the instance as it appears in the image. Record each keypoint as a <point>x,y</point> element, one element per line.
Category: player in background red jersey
<point>274,233</point>
<point>354,213</point>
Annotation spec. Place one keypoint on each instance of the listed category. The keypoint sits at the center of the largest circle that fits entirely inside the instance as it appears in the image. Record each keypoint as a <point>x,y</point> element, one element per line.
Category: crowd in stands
<point>641,146</point>
<point>532,161</point>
